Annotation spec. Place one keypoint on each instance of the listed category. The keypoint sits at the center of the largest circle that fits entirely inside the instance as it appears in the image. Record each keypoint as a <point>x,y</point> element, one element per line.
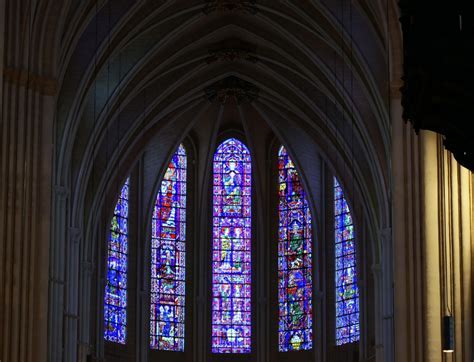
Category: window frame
<point>351,349</point>
<point>190,242</point>
<point>317,310</point>
<point>113,350</point>
<point>252,356</point>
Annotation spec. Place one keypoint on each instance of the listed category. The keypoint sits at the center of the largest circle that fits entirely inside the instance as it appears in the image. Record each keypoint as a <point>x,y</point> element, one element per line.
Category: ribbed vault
<point>151,61</point>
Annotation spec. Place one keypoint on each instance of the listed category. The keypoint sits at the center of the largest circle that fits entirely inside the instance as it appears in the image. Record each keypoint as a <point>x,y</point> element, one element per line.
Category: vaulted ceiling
<point>314,72</point>
<point>126,69</point>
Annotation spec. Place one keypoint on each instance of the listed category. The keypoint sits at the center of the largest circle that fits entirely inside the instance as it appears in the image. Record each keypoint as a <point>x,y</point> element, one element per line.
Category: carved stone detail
<point>241,90</point>
<point>61,191</point>
<point>249,6</point>
<point>75,235</point>
<point>230,54</point>
<point>87,267</point>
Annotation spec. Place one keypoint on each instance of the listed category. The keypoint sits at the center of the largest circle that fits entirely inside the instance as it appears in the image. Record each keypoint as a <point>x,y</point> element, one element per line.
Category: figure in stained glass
<point>168,255</point>
<point>231,255</point>
<point>294,260</point>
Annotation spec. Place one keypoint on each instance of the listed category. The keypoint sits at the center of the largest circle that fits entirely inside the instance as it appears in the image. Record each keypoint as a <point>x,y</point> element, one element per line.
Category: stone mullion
<point>57,271</point>
<point>71,297</point>
<point>386,294</point>
<point>85,286</point>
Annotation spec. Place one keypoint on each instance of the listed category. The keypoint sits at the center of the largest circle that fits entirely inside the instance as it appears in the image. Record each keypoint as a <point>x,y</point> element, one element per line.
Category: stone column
<point>25,203</point>
<point>407,258</point>
<point>431,246</point>
<point>387,295</point>
<point>466,244</point>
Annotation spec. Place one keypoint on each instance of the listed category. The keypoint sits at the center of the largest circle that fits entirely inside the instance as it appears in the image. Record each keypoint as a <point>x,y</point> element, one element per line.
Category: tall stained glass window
<point>115,296</point>
<point>294,260</point>
<point>231,249</point>
<point>347,292</point>
<point>168,256</point>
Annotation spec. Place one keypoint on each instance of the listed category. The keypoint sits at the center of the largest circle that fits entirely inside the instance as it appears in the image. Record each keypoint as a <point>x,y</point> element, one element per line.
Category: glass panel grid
<point>168,258</point>
<point>294,260</point>
<point>347,292</point>
<point>115,296</point>
<point>231,250</point>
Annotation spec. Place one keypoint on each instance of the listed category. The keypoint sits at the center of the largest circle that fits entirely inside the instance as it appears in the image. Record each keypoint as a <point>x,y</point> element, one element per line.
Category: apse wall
<point>88,85</point>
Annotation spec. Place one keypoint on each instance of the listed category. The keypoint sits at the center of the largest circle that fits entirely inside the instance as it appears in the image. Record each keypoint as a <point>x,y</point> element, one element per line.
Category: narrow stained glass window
<point>168,257</point>
<point>347,292</point>
<point>294,260</point>
<point>115,296</point>
<point>231,249</point>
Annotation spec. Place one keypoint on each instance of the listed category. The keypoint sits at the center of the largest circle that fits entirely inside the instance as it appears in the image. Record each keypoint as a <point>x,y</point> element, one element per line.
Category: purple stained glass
<point>347,292</point>
<point>115,296</point>
<point>168,258</point>
<point>231,249</point>
<point>294,260</point>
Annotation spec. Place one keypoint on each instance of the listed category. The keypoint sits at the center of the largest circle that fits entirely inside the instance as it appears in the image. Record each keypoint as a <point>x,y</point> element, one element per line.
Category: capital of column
<point>87,267</point>
<point>62,192</point>
<point>75,235</point>
<point>386,234</point>
<point>41,84</point>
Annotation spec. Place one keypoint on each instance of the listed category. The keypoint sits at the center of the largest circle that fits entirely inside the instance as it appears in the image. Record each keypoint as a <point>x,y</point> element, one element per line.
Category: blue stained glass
<point>294,260</point>
<point>231,249</point>
<point>347,292</point>
<point>115,296</point>
<point>168,258</point>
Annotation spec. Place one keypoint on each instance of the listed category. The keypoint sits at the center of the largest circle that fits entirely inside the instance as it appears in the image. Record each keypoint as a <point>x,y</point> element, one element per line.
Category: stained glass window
<point>168,256</point>
<point>231,249</point>
<point>115,296</point>
<point>295,328</point>
<point>347,292</point>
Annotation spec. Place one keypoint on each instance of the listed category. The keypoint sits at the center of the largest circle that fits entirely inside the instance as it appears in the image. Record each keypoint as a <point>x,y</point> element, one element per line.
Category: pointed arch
<point>295,283</point>
<point>115,296</point>
<point>347,291</point>
<point>231,248</point>
<point>168,258</point>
